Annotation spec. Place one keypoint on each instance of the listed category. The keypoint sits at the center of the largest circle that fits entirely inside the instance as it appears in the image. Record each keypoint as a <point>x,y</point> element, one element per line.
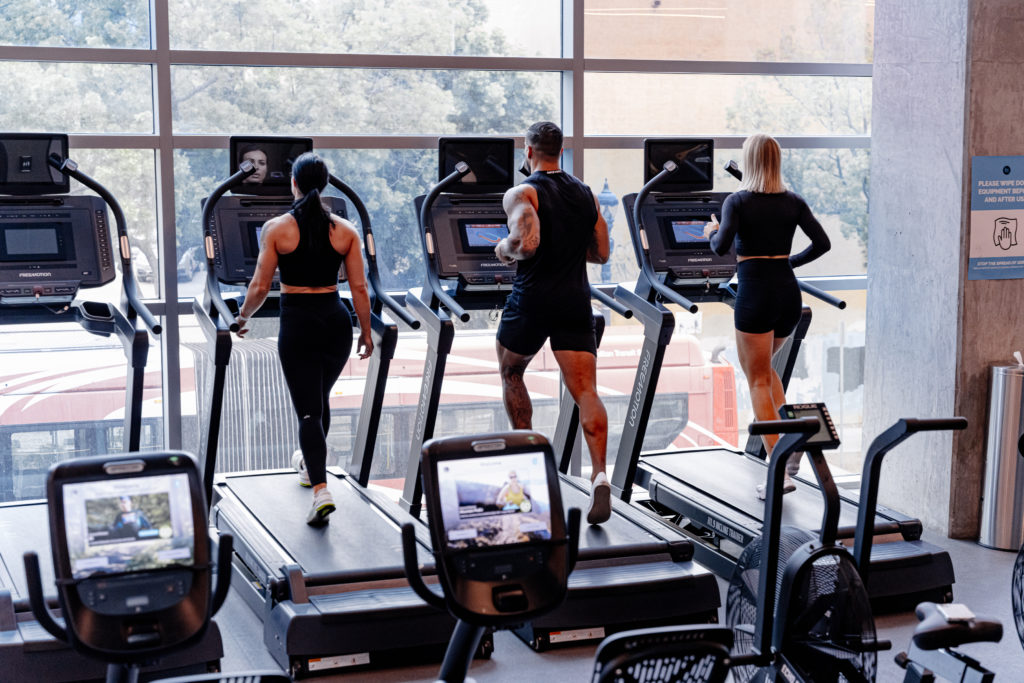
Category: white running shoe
<point>788,486</point>
<point>600,509</point>
<point>323,505</point>
<point>299,463</point>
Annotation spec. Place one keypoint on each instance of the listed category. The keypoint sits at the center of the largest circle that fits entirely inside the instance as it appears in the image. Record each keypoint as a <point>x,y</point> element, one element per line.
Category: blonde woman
<point>762,218</point>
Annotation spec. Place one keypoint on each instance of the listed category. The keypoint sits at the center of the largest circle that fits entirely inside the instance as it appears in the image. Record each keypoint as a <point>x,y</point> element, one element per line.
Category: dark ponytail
<point>311,176</point>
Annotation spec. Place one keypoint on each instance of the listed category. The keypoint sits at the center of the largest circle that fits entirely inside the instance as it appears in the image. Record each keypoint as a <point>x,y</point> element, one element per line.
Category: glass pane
<point>196,174</point>
<point>701,104</point>
<point>833,181</point>
<point>285,101</point>
<point>737,30</point>
<point>71,97</point>
<point>386,180</point>
<point>71,23</point>
<point>130,175</point>
<point>62,396</point>
<point>526,28</point>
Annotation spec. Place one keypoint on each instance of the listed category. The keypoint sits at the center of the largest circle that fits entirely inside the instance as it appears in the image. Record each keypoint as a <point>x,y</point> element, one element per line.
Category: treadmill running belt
<point>732,478</point>
<point>616,532</point>
<point>357,537</point>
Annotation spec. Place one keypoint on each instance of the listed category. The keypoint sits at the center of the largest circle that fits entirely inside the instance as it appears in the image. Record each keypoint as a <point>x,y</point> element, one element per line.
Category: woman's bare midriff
<point>745,258</point>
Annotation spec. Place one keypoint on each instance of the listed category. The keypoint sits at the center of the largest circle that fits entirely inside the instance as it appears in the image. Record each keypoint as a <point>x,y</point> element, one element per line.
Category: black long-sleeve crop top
<point>764,224</point>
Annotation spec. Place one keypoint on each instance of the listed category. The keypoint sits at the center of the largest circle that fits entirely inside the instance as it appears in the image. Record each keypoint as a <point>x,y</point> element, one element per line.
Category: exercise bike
<point>132,562</point>
<point>499,565</point>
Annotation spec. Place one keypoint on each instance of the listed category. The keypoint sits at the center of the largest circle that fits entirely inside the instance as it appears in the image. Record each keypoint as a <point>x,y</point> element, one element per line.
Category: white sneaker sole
<point>600,504</point>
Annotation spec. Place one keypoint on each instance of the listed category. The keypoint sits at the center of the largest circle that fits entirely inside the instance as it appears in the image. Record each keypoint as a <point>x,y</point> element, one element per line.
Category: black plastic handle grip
<point>801,425</point>
<point>611,302</point>
<point>412,569</point>
<point>35,595</point>
<point>935,424</point>
<point>225,547</point>
<point>821,294</point>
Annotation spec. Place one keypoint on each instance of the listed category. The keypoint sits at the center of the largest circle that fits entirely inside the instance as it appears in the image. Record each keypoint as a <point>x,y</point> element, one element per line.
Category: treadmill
<point>711,489</point>
<point>52,245</point>
<point>633,571</point>
<point>332,598</point>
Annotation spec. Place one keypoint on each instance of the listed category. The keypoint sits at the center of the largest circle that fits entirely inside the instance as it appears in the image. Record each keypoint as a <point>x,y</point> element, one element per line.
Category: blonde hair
<point>762,165</point>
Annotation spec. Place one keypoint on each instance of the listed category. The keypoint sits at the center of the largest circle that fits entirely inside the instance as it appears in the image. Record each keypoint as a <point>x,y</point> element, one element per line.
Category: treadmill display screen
<point>493,501</point>
<point>826,437</point>
<point>272,157</point>
<point>481,238</point>
<point>490,160</point>
<point>24,169</point>
<point>129,525</point>
<point>685,233</point>
<point>694,159</point>
<point>33,241</point>
<point>252,232</point>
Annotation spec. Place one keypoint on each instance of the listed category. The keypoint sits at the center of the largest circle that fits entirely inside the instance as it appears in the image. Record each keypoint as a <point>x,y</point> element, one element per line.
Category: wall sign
<point>997,219</point>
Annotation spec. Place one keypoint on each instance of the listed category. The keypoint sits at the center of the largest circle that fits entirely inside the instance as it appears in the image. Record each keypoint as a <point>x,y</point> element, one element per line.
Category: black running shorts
<point>527,324</point>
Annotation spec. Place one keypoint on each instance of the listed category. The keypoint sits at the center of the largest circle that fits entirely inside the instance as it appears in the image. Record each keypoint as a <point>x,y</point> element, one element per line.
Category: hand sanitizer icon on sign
<point>1004,235</point>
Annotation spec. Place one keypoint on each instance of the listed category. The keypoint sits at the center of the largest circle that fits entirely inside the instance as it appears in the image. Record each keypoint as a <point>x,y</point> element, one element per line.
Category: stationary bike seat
<point>934,632</point>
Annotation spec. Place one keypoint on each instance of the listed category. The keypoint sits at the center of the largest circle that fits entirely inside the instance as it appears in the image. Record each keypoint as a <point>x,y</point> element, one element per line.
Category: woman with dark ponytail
<point>309,244</point>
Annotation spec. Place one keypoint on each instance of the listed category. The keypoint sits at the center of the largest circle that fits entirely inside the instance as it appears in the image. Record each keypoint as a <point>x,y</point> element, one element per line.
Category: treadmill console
<point>236,226</point>
<point>461,241</point>
<point>501,542</point>
<point>52,246</point>
<point>827,437</point>
<point>674,228</point>
<point>130,549</point>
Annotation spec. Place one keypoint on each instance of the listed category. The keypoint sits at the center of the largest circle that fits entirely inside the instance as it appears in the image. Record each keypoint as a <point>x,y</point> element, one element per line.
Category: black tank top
<point>314,263</point>
<point>567,217</point>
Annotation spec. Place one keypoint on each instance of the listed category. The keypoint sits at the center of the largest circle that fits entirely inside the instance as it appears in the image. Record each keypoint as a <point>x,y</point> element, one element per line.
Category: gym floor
<point>983,584</point>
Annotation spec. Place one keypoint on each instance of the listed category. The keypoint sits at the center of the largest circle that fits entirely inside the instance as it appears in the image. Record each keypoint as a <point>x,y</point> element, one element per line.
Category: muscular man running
<point>555,229</point>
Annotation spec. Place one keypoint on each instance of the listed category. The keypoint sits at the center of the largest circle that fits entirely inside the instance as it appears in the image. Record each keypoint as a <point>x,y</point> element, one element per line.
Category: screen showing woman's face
<point>259,159</point>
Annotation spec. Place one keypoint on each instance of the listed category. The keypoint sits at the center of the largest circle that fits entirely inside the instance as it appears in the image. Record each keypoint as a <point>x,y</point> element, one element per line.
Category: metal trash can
<point>1002,505</point>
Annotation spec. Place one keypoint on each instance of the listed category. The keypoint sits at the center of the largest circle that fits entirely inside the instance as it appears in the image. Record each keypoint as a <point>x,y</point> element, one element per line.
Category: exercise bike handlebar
<point>460,172</point>
<point>611,302</point>
<point>220,592</point>
<point>821,294</point>
<point>129,285</point>
<point>40,610</point>
<point>639,236</point>
<point>373,274</point>
<point>802,425</point>
<point>412,570</point>
<point>245,169</point>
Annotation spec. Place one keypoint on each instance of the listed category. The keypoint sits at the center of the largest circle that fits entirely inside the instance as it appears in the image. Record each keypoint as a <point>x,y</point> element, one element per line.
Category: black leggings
<point>314,343</point>
<point>768,298</point>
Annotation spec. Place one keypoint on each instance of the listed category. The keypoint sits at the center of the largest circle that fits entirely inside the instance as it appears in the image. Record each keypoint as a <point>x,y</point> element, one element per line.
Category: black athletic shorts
<point>768,299</point>
<point>526,324</point>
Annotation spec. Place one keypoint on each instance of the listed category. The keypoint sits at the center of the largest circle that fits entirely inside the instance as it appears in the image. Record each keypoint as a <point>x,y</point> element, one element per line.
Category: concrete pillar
<point>948,85</point>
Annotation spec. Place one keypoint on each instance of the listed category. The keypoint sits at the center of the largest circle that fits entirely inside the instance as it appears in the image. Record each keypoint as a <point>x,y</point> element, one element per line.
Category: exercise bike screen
<point>495,500</point>
<point>482,237</point>
<point>128,525</point>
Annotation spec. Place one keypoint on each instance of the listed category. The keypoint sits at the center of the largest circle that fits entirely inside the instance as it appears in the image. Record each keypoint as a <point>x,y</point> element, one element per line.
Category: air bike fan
<point>823,629</point>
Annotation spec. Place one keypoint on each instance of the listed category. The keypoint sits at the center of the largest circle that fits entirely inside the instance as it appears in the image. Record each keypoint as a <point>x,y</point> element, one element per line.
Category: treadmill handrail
<point>426,222</point>
<point>373,274</point>
<point>130,288</point>
<point>611,302</point>
<point>213,293</point>
<point>882,444</point>
<point>821,294</point>
<point>639,236</point>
